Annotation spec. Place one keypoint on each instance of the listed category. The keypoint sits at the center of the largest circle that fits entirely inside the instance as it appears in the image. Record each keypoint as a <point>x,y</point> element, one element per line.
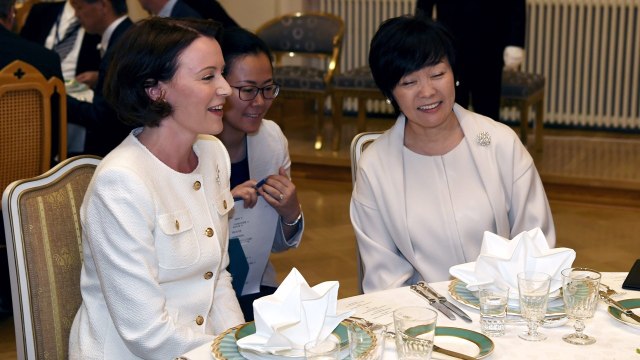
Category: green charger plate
<point>629,304</point>
<point>485,344</point>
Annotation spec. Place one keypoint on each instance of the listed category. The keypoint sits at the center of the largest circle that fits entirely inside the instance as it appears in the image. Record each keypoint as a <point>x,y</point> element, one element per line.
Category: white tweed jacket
<point>154,282</point>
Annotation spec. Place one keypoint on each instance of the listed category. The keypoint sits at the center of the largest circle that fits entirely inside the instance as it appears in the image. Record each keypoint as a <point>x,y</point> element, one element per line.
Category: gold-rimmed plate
<point>620,316</point>
<point>465,341</point>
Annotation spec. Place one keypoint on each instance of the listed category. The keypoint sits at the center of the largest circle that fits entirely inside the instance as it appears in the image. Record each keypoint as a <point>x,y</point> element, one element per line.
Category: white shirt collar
<point>167,8</point>
<point>106,36</point>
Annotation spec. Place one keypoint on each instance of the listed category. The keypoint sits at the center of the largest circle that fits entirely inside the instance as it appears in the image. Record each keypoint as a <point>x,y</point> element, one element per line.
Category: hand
<point>247,192</point>
<point>88,77</point>
<point>281,193</point>
<point>513,57</point>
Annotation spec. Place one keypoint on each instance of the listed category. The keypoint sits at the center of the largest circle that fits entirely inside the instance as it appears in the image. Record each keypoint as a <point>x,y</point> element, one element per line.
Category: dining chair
<point>525,90</point>
<point>355,83</point>
<point>307,48</point>
<point>358,145</point>
<point>26,122</point>
<point>22,11</point>
<point>44,248</point>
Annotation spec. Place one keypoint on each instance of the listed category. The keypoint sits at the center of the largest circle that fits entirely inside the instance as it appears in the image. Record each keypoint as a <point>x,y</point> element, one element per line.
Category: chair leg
<point>319,115</point>
<point>539,125</point>
<point>338,114</point>
<point>524,121</point>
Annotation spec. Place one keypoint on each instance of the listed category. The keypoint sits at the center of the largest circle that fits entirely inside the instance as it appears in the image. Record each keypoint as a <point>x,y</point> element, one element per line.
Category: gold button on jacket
<point>208,275</point>
<point>209,232</point>
<point>199,320</point>
<point>197,185</point>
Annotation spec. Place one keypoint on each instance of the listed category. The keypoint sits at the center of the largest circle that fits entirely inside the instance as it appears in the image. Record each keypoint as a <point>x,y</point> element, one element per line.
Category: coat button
<point>197,185</point>
<point>224,204</point>
<point>199,320</point>
<point>208,275</point>
<point>209,232</point>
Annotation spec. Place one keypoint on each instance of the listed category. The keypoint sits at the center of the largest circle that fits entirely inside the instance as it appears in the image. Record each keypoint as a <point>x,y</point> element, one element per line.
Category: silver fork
<point>610,291</point>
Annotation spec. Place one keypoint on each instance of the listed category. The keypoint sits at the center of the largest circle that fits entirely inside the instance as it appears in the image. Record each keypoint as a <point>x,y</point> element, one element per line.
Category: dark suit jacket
<point>104,130</point>
<point>182,10</point>
<point>42,18</point>
<point>211,9</point>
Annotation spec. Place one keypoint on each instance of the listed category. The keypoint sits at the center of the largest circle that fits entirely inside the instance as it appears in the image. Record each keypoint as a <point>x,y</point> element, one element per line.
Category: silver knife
<point>433,302</point>
<point>624,310</point>
<point>443,300</point>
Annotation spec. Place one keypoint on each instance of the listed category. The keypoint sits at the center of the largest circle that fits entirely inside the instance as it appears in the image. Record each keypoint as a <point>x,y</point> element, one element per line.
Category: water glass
<point>366,342</point>
<point>327,349</point>
<point>415,329</point>
<point>533,288</point>
<point>493,309</point>
<point>580,294</point>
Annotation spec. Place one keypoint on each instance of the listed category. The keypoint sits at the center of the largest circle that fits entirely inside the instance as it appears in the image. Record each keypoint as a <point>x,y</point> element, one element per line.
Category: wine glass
<point>533,288</point>
<point>580,293</point>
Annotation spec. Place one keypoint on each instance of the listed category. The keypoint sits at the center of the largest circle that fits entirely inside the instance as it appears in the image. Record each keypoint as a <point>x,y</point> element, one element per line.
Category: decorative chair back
<point>314,38</point>
<point>358,145</point>
<point>25,122</point>
<point>44,248</point>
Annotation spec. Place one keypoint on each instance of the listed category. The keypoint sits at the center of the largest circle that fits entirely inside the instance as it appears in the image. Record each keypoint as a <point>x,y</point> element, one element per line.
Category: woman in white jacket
<point>429,187</point>
<point>154,219</point>
<point>258,150</point>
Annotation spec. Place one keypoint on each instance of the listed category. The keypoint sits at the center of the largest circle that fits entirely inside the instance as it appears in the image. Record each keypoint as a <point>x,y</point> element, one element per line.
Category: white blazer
<point>378,205</point>
<point>268,150</point>
<point>153,281</point>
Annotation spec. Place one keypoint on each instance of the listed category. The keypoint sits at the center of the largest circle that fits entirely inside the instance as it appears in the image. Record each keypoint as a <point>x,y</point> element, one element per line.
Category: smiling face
<point>198,90</point>
<point>426,96</point>
<point>249,70</point>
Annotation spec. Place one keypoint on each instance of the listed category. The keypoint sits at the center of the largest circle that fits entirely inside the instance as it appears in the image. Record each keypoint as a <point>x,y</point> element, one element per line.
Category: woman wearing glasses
<point>258,149</point>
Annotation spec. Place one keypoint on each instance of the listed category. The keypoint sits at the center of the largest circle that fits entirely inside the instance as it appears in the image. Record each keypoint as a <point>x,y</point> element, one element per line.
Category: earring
<point>161,97</point>
<point>388,101</point>
<point>457,83</point>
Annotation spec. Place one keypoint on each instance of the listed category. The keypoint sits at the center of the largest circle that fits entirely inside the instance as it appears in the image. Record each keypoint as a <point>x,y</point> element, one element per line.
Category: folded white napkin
<point>293,316</point>
<point>501,260</point>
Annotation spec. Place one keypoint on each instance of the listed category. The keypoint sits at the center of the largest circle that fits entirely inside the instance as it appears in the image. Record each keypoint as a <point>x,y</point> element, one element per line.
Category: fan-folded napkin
<point>501,260</point>
<point>293,316</point>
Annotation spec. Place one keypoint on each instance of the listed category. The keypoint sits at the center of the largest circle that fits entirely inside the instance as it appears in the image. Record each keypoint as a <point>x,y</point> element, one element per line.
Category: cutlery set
<point>439,302</point>
<point>604,295</point>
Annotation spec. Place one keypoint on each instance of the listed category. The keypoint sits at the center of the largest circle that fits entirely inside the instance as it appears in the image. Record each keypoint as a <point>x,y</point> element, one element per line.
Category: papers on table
<point>255,229</point>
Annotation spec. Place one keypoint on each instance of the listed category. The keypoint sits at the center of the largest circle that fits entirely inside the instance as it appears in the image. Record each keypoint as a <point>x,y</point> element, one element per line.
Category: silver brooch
<point>483,139</point>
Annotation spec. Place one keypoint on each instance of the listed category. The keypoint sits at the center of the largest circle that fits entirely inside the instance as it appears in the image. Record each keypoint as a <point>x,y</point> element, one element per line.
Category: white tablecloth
<point>614,340</point>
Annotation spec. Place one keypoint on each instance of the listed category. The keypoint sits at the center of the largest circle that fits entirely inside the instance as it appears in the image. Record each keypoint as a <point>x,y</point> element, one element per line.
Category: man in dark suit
<point>107,18</point>
<point>169,8</point>
<point>54,25</point>
<point>13,47</point>
<point>211,9</point>
<point>488,35</point>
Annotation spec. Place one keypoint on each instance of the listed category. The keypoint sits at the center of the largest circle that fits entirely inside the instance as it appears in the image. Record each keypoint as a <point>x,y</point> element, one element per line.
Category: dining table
<point>76,134</point>
<point>615,338</point>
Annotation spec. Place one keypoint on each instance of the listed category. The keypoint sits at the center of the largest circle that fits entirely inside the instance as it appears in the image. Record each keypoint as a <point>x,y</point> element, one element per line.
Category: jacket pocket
<point>176,242</point>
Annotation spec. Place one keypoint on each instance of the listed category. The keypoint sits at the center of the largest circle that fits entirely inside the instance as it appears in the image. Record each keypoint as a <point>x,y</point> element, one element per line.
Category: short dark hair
<point>238,42</point>
<point>145,55</point>
<point>119,6</point>
<point>406,44</point>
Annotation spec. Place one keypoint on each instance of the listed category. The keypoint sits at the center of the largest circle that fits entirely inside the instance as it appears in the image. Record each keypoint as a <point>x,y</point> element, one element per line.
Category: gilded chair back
<point>44,246</point>
<point>22,11</point>
<point>358,145</point>
<point>315,39</point>
<point>25,122</point>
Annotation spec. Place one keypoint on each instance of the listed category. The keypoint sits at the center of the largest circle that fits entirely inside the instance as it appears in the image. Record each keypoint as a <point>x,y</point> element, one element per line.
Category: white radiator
<point>588,51</point>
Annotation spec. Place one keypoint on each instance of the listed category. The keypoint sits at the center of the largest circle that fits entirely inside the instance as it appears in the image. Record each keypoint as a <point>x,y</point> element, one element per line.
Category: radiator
<point>588,51</point>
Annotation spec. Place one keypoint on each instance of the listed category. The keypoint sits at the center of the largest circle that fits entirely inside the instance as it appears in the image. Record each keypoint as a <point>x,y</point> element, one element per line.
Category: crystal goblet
<point>580,294</point>
<point>533,288</point>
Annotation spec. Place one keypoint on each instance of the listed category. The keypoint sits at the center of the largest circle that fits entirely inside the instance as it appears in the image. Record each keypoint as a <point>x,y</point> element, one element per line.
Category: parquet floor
<point>592,181</point>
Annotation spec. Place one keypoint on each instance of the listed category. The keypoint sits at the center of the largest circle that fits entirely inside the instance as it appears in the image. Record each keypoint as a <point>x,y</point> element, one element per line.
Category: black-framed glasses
<point>248,93</point>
